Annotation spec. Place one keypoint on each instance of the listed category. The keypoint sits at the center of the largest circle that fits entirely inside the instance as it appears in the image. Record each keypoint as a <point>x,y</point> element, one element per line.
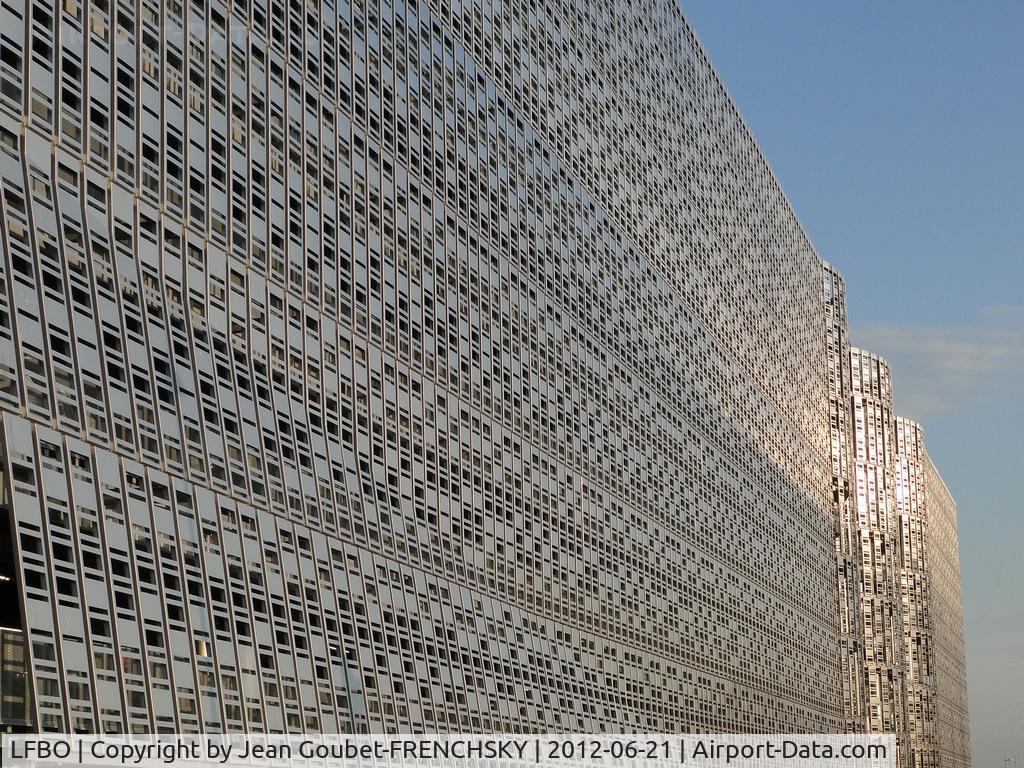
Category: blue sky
<point>897,130</point>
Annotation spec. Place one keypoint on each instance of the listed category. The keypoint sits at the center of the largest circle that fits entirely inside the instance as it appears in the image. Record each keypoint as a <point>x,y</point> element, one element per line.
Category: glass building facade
<point>937,723</point>
<point>879,537</point>
<point>411,366</point>
<point>950,730</point>
<point>912,611</point>
<point>849,568</point>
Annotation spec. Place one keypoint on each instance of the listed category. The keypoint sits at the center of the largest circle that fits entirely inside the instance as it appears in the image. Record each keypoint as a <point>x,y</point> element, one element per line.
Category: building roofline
<point>868,353</point>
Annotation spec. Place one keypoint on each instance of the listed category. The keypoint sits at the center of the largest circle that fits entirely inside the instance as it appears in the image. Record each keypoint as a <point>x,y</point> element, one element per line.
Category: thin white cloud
<point>940,369</point>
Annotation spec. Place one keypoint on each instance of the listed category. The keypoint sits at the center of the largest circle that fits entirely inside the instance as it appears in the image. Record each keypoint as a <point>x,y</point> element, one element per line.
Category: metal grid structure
<point>912,610</point>
<point>848,551</point>
<point>421,366</point>
<point>951,733</point>
<point>878,528</point>
<point>406,366</point>
<point>910,495</point>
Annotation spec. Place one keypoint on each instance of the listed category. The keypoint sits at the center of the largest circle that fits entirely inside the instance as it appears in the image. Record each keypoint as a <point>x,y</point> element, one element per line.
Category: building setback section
<point>426,366</point>
<point>878,533</point>
<point>847,540</point>
<point>915,684</point>
<point>951,730</point>
<point>911,509</point>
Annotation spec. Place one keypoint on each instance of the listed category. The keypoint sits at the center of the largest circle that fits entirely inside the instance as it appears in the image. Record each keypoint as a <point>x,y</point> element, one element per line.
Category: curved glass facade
<point>410,367</point>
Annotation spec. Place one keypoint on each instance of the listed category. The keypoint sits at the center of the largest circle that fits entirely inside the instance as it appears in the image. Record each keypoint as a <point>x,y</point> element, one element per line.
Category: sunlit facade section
<point>912,606</point>
<point>878,531</point>
<point>952,733</point>
<point>848,535</point>
<point>936,690</point>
